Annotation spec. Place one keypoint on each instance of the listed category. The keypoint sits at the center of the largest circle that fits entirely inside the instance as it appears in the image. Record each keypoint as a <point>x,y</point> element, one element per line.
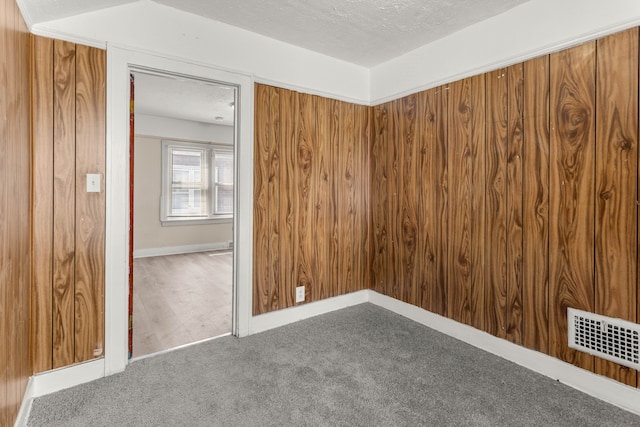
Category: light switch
<point>93,183</point>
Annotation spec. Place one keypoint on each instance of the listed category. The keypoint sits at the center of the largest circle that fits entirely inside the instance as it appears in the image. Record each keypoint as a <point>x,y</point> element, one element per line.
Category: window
<point>197,182</point>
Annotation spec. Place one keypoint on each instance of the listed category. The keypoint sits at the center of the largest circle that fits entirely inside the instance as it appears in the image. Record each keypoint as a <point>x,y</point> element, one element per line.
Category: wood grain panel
<point>303,211</point>
<point>9,238</point>
<point>323,208</point>
<point>537,207</point>
<point>478,174</point>
<point>273,188</point>
<point>572,117</point>
<point>638,223</point>
<point>459,234</point>
<point>288,198</point>
<point>361,266</point>
<point>314,159</point>
<point>346,198</point>
<point>439,298</point>
<point>616,174</point>
<point>23,185</point>
<point>6,415</point>
<point>261,280</point>
<point>409,198</point>
<point>42,136</point>
<point>15,186</point>
<point>335,112</point>
<point>64,209</point>
<point>395,276</point>
<point>535,311</point>
<point>496,203</point>
<point>427,212</point>
<point>515,105</point>
<point>90,207</point>
<point>379,199</point>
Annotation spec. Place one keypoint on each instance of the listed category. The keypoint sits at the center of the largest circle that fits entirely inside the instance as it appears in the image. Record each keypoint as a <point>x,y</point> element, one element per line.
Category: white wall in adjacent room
<point>150,237</point>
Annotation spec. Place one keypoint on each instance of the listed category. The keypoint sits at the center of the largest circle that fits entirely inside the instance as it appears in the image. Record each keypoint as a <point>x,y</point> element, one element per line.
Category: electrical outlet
<point>300,294</point>
<point>93,183</point>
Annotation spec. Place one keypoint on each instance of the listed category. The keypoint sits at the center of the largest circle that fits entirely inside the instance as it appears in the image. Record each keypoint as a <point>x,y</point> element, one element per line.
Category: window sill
<point>190,221</point>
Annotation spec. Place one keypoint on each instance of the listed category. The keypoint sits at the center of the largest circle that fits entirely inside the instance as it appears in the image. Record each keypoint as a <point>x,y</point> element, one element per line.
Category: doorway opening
<point>182,198</point>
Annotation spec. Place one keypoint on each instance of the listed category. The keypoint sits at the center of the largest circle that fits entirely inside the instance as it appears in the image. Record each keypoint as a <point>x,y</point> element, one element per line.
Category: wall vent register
<point>613,339</point>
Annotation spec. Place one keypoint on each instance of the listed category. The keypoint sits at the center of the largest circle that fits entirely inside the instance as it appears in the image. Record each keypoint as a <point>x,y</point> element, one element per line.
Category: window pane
<point>224,168</point>
<point>223,200</point>
<point>186,165</point>
<point>188,192</point>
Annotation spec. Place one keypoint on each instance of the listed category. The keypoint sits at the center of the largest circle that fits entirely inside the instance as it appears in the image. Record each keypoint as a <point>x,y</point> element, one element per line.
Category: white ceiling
<point>186,99</point>
<point>363,32</point>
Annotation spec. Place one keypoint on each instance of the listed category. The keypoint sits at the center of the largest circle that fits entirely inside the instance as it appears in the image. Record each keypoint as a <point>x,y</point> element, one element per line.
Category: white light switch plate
<point>93,183</point>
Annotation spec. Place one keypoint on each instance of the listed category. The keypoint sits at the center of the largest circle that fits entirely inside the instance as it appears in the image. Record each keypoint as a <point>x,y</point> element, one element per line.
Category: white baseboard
<point>278,318</point>
<point>603,388</point>
<point>174,250</point>
<point>25,407</point>
<point>598,386</point>
<point>60,379</point>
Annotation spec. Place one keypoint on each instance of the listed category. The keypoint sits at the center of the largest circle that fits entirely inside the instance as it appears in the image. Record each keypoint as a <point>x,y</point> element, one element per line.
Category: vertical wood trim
<point>427,212</point>
<point>395,276</point>
<point>322,176</point>
<point>572,94</point>
<point>90,207</point>
<point>496,203</point>
<point>409,198</point>
<point>515,196</point>
<point>261,288</point>
<point>536,205</point>
<point>379,199</point>
<point>273,189</point>
<point>439,297</point>
<point>478,176</point>
<point>459,160</point>
<point>63,204</point>
<point>616,185</point>
<point>288,198</point>
<point>304,152</point>
<point>42,249</point>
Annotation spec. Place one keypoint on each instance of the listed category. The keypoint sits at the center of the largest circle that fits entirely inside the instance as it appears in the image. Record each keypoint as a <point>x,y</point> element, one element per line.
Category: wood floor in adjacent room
<point>180,299</point>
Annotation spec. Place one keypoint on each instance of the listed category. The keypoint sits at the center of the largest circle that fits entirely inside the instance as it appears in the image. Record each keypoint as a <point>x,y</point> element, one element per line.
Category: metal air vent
<point>613,339</point>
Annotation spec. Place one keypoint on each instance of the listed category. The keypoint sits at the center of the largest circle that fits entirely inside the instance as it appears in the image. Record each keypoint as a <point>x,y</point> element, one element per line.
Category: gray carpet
<point>361,366</point>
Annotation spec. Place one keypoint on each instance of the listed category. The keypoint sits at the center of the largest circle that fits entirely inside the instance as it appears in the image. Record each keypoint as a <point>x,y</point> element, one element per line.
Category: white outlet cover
<point>93,183</point>
<point>300,294</point>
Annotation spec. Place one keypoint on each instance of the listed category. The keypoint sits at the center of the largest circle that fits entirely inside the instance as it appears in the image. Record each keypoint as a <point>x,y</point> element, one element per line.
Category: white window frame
<point>208,180</point>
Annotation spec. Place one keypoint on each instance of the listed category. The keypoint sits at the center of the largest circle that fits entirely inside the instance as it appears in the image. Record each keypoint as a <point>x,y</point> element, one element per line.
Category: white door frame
<point>119,62</point>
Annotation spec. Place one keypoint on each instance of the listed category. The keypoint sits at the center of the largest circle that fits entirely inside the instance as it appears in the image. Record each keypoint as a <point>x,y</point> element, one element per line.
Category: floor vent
<point>613,339</point>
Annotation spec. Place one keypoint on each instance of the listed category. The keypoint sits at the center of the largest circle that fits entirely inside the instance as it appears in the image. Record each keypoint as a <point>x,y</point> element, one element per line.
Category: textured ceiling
<point>364,32</point>
<point>184,99</point>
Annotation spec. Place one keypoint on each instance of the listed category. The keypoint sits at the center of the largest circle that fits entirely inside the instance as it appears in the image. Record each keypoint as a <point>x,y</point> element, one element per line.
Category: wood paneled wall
<point>15,205</point>
<point>525,184</point>
<point>68,223</point>
<point>311,220</point>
